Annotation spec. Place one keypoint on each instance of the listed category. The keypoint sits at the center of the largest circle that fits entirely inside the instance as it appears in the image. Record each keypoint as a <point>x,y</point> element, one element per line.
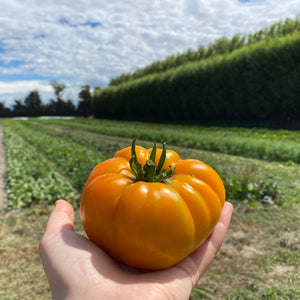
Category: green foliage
<point>100,145</point>
<point>253,192</point>
<point>85,101</point>
<point>4,111</point>
<point>58,88</point>
<point>261,144</point>
<point>30,177</point>
<point>67,150</point>
<point>244,188</point>
<point>257,83</point>
<point>72,160</point>
<point>248,189</point>
<point>259,260</point>
<point>33,102</point>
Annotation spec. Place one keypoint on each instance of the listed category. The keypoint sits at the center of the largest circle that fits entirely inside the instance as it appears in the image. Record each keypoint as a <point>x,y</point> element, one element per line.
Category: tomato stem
<point>150,172</point>
<point>165,175</point>
<point>149,169</point>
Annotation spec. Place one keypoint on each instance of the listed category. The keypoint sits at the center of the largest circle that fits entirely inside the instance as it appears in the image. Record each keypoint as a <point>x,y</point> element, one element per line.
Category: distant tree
<point>236,42</point>
<point>97,90</point>
<point>70,108</point>
<point>190,55</point>
<point>288,26</point>
<point>210,50</point>
<point>258,36</point>
<point>222,45</point>
<point>4,112</point>
<point>85,101</point>
<point>201,52</point>
<point>272,31</point>
<point>33,103</point>
<point>19,108</point>
<point>60,107</point>
<point>50,108</point>
<point>58,88</point>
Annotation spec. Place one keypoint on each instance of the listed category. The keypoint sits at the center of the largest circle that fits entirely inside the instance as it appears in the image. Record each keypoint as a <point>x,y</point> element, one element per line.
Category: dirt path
<point>3,196</point>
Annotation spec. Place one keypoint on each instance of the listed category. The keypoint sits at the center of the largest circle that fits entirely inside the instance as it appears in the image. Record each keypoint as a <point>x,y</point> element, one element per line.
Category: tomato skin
<point>142,154</point>
<point>151,225</point>
<point>171,157</point>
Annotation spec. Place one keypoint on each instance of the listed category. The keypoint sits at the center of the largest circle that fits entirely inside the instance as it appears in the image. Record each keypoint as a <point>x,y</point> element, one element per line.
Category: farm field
<point>278,145</point>
<point>51,159</point>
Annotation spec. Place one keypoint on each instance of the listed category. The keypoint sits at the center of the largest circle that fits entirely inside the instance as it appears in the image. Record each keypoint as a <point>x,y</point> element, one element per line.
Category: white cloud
<point>20,86</point>
<point>20,89</point>
<point>90,42</point>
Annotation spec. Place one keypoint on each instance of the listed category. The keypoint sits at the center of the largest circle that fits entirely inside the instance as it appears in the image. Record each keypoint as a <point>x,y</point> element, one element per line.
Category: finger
<point>217,236</point>
<point>205,254</point>
<point>61,218</point>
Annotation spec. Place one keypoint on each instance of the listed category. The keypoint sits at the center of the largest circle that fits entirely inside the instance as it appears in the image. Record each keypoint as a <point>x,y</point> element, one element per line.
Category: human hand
<point>78,269</point>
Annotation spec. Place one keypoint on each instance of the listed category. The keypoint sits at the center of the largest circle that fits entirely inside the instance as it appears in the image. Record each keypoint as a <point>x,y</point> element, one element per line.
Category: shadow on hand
<point>120,273</point>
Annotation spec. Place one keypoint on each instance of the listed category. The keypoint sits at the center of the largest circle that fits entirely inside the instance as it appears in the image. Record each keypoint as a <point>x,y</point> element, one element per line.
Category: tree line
<point>221,46</point>
<point>32,104</point>
<point>255,84</point>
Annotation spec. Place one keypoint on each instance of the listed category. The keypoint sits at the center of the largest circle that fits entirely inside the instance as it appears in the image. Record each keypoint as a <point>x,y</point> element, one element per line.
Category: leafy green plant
<point>265,193</point>
<point>30,177</point>
<point>247,189</point>
<point>70,159</point>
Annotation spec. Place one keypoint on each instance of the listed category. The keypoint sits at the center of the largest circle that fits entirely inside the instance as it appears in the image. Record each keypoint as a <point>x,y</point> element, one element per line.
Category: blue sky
<point>91,41</point>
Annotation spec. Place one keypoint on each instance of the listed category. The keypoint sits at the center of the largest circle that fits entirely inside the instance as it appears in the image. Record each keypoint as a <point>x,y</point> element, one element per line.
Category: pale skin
<point>78,269</point>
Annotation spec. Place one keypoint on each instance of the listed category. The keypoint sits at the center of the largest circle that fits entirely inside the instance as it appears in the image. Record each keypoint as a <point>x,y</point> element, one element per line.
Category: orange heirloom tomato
<point>150,209</point>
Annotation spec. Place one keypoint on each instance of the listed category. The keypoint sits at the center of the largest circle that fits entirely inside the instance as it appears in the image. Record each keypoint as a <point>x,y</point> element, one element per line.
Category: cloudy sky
<point>83,42</point>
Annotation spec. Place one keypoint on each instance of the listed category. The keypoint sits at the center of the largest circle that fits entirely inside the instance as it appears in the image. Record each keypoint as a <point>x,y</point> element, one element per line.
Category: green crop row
<point>71,159</point>
<point>101,145</point>
<point>241,188</point>
<point>273,150</point>
<point>257,133</point>
<point>30,177</point>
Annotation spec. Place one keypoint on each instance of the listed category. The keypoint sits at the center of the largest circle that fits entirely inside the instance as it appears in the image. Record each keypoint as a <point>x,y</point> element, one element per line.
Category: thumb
<point>61,218</point>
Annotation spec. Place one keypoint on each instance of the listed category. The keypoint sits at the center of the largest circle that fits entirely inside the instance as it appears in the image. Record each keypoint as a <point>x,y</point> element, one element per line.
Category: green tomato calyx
<point>150,172</point>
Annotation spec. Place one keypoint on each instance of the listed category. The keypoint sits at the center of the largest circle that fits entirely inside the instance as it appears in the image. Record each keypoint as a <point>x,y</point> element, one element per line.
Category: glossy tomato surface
<point>151,225</point>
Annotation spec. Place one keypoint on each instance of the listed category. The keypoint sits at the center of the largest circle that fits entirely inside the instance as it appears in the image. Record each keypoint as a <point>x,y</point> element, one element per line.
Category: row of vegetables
<point>270,145</point>
<point>42,167</point>
<point>31,177</point>
<point>47,164</point>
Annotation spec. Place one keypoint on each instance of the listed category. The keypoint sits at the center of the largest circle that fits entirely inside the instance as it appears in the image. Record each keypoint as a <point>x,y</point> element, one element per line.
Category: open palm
<point>78,269</point>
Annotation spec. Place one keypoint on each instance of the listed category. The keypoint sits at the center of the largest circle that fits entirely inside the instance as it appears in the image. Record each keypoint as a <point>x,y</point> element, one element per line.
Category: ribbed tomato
<point>150,209</point>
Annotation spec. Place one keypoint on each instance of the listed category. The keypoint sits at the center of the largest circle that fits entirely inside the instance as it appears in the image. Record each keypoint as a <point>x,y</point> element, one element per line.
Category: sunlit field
<point>51,159</point>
